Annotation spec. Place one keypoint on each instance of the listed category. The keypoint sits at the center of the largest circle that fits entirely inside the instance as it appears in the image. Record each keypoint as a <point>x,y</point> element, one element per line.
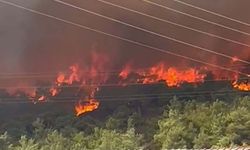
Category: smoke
<point>12,39</point>
<point>37,44</point>
<point>34,48</point>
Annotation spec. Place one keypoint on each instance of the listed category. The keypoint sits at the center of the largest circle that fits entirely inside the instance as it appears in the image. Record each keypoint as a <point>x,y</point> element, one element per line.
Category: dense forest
<point>210,121</point>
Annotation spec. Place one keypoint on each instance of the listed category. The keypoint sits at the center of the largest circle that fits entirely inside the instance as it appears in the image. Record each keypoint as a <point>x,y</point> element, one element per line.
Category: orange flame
<point>96,75</point>
<point>73,77</point>
<point>54,91</point>
<point>88,106</point>
<point>61,78</point>
<point>241,86</point>
<point>171,76</point>
<point>125,72</point>
<point>42,98</point>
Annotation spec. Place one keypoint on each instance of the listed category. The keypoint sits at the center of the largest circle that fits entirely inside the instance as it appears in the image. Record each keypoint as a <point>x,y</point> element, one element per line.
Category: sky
<point>30,43</point>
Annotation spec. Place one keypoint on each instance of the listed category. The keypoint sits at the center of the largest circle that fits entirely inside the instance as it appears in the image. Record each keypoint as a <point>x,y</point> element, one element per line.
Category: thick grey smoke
<point>12,39</point>
<point>33,43</point>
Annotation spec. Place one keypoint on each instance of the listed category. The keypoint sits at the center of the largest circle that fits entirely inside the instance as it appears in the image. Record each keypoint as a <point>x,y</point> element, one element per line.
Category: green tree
<point>204,125</point>
<point>55,141</point>
<point>26,144</point>
<point>5,141</point>
<point>113,140</point>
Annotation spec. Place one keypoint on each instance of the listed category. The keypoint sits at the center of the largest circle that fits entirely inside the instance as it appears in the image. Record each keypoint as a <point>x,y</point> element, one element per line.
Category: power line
<point>123,39</point>
<point>136,95</point>
<point>173,23</point>
<point>79,86</point>
<point>140,98</point>
<point>100,74</point>
<point>65,72</point>
<point>211,12</point>
<point>113,100</point>
<point>113,84</point>
<point>151,32</point>
<point>195,17</point>
<point>48,75</point>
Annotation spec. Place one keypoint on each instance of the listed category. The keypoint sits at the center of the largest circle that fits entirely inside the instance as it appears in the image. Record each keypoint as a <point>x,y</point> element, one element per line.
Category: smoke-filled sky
<point>34,43</point>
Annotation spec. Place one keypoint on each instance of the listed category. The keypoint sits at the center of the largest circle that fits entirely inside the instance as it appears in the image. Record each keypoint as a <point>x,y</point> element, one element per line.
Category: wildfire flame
<point>241,86</point>
<point>173,77</point>
<point>87,106</point>
<point>53,91</point>
<point>73,77</point>
<point>76,76</point>
<point>42,98</point>
<point>125,72</point>
<point>88,79</point>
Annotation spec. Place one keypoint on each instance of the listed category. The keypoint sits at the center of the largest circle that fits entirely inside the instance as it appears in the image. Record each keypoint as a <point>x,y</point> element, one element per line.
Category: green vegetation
<point>137,125</point>
<point>198,125</point>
